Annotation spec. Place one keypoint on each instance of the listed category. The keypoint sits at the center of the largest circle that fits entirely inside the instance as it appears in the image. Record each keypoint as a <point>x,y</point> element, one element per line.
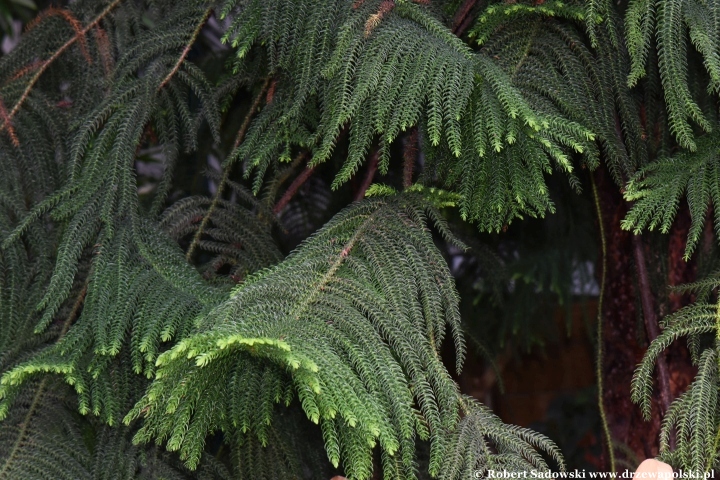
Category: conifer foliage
<point>151,325</point>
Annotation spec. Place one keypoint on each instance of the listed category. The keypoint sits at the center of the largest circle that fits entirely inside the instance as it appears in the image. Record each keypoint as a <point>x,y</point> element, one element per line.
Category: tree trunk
<point>625,336</point>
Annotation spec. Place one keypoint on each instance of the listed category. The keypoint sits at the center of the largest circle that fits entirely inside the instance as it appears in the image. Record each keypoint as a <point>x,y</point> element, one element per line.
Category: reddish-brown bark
<point>625,338</point>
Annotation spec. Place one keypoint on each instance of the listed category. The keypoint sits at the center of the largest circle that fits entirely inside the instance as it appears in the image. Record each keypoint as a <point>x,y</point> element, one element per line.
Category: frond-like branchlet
<point>43,438</point>
<point>658,189</point>
<point>236,236</point>
<point>694,416</point>
<point>667,26</point>
<point>482,442</point>
<point>350,324</point>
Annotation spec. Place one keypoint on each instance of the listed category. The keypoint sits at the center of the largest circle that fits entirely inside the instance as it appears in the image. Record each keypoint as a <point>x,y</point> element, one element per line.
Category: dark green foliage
<point>694,416</point>
<point>136,286</point>
<point>236,233</point>
<point>658,188</point>
<point>386,69</point>
<point>672,23</point>
<point>467,452</point>
<point>135,309</point>
<point>42,439</point>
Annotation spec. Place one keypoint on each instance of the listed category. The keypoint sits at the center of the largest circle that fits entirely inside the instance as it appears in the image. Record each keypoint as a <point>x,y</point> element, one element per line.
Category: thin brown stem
<point>601,298</point>
<point>221,186</point>
<point>650,318</point>
<point>284,175</point>
<point>24,427</point>
<point>319,287</point>
<point>10,128</point>
<point>409,156</point>
<point>292,189</point>
<point>299,158</point>
<point>246,123</point>
<point>74,312</point>
<point>46,64</point>
<point>186,50</point>
<point>71,20</point>
<point>460,21</point>
<point>369,175</point>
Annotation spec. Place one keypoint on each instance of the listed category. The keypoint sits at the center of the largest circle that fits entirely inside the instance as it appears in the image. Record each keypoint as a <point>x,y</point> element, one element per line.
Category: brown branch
<point>367,181</point>
<point>409,156</point>
<point>246,123</point>
<point>283,176</point>
<point>271,92</point>
<point>465,25</point>
<point>75,311</point>
<point>292,189</point>
<point>186,50</point>
<point>374,20</point>
<point>22,71</point>
<point>221,186</point>
<point>11,129</point>
<point>70,19</point>
<point>77,27</point>
<point>460,20</point>
<point>103,44</point>
<point>650,318</point>
<point>287,173</point>
<point>46,64</point>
